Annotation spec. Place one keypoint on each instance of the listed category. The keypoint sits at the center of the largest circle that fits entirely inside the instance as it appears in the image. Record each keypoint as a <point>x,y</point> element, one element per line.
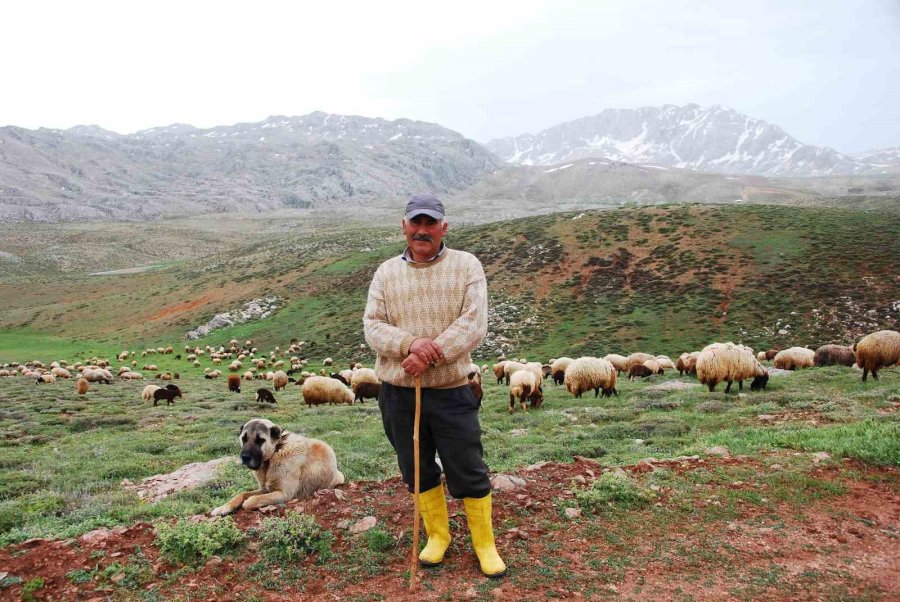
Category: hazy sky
<point>827,71</point>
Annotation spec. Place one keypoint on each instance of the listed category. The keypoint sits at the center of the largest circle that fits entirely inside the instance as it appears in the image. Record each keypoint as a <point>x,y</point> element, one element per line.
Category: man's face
<point>424,235</point>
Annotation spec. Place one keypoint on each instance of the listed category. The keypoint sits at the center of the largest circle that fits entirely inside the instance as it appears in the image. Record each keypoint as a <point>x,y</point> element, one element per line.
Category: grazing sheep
<point>727,362</point>
<point>619,362</point>
<point>279,380</point>
<point>639,371</point>
<point>771,353</point>
<point>129,376</point>
<point>637,358</point>
<point>169,394</point>
<point>212,374</point>
<point>794,358</point>
<point>235,366</point>
<point>587,373</point>
<point>665,362</point>
<point>327,361</point>
<point>96,375</point>
<point>761,356</point>
<point>147,393</point>
<point>340,377</point>
<point>248,375</point>
<point>558,369</point>
<point>365,384</point>
<point>510,368</point>
<point>524,385</point>
<point>687,363</point>
<point>834,355</point>
<point>475,385</point>
<point>877,350</point>
<point>82,386</point>
<point>234,383</point>
<point>654,366</point>
<point>321,389</point>
<point>499,370</point>
<point>264,395</point>
<point>60,372</point>
<point>47,378</point>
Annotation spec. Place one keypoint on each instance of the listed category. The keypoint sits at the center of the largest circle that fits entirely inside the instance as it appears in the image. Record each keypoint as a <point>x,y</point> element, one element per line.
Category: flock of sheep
<point>716,363</point>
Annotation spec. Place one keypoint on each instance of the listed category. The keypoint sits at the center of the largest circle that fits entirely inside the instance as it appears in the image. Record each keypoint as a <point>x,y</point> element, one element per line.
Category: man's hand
<point>427,349</point>
<point>414,365</point>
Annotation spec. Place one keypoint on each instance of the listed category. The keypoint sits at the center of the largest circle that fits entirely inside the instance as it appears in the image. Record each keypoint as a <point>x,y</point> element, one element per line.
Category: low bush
<point>188,542</point>
<point>294,537</point>
<point>613,490</point>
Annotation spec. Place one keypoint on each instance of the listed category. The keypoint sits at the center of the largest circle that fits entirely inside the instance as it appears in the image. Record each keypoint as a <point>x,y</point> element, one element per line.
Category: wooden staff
<point>414,562</point>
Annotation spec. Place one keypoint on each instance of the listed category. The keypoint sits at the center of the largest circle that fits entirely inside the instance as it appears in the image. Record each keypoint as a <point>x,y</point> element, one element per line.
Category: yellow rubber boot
<point>478,513</point>
<point>433,507</point>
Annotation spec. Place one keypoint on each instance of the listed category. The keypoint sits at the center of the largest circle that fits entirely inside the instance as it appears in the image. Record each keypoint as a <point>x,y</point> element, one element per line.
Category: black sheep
<point>264,395</point>
<point>169,394</point>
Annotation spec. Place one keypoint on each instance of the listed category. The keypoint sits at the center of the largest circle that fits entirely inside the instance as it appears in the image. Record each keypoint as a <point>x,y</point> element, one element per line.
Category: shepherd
<point>426,312</point>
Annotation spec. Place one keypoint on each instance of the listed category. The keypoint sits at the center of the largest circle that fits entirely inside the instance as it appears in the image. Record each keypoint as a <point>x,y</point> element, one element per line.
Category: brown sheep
<point>834,355</point>
<point>169,394</point>
<point>82,386</point>
<point>234,383</point>
<point>877,350</point>
<point>639,371</point>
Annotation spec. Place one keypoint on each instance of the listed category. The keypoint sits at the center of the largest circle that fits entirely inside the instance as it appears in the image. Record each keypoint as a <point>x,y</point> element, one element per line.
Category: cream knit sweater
<point>445,300</point>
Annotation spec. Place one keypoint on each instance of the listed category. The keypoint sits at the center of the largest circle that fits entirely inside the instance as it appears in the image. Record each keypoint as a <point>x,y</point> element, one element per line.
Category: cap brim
<point>428,212</point>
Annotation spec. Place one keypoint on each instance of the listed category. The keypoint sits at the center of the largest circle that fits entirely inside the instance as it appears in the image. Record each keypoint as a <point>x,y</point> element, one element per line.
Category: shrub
<point>187,542</point>
<point>379,540</point>
<point>293,537</point>
<point>613,490</point>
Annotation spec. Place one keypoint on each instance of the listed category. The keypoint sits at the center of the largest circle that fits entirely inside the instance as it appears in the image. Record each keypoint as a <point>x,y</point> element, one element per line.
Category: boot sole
<point>428,563</point>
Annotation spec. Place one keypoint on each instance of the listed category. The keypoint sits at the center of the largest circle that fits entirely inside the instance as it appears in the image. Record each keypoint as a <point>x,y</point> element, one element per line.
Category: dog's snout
<point>246,457</point>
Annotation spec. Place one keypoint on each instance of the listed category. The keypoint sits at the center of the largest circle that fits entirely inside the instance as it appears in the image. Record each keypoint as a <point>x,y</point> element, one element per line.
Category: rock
<point>190,476</point>
<point>470,594</point>
<point>363,525</point>
<point>580,479</point>
<point>718,450</point>
<point>518,432</point>
<point>537,466</point>
<point>340,494</point>
<point>502,482</point>
<point>672,385</point>
<point>572,513</point>
<point>343,524</point>
<point>95,536</point>
<point>766,417</point>
<point>819,456</point>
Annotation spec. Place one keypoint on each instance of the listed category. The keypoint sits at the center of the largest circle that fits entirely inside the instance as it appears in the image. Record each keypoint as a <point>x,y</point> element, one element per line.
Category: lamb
<point>654,366</point>
<point>47,378</point>
<point>665,362</point>
<point>834,355</point>
<point>340,377</point>
<point>587,373</point>
<point>365,384</point>
<point>169,394</point>
<point>558,369</point>
<point>279,380</point>
<point>639,371</point>
<point>264,395</point>
<point>234,383</point>
<point>510,368</point>
<point>475,385</point>
<point>794,358</point>
<point>877,350</point>
<point>147,393</point>
<point>727,362</point>
<point>499,370</point>
<point>321,389</point>
<point>327,361</point>
<point>619,362</point>
<point>523,385</point>
<point>82,386</point>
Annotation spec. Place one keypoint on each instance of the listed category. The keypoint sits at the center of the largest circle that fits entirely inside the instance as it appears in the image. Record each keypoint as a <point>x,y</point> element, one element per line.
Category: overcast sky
<point>827,71</point>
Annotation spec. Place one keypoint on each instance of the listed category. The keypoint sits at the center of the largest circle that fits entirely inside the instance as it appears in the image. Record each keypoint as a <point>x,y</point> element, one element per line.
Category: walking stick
<point>415,546</point>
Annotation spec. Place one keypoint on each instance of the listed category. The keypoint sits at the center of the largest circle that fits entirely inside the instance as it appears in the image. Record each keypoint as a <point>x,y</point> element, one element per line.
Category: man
<point>427,310</point>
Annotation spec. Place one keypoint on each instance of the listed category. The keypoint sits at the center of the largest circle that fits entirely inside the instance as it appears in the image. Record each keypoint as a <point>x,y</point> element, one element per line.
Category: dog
<point>286,466</point>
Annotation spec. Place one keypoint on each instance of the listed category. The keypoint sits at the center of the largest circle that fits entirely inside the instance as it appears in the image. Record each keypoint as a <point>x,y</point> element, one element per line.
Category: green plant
<point>293,537</point>
<point>30,587</point>
<point>613,490</point>
<point>188,542</point>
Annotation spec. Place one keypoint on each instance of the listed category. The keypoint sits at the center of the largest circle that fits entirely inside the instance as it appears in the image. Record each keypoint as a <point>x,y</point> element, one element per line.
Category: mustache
<point>425,237</point>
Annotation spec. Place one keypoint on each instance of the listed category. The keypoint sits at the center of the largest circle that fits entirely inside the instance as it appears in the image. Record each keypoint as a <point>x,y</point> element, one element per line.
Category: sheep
<point>212,374</point>
<point>475,386</point>
<point>877,350</point>
<point>82,386</point>
<point>129,376</point>
<point>264,395</point>
<point>794,358</point>
<point>248,375</point>
<point>537,369</point>
<point>279,380</point>
<point>320,389</point>
<point>365,384</point>
<point>771,353</point>
<point>499,372</point>
<point>665,362</point>
<point>327,361</point>
<point>687,363</point>
<point>510,368</point>
<point>169,394</point>
<point>60,372</point>
<point>619,362</point>
<point>639,371</point>
<point>587,373</point>
<point>96,376</point>
<point>523,385</point>
<point>654,366</point>
<point>761,356</point>
<point>340,377</point>
<point>727,362</point>
<point>637,358</point>
<point>47,378</point>
<point>147,393</point>
<point>834,355</point>
<point>234,383</point>
<point>234,366</point>
<point>558,369</point>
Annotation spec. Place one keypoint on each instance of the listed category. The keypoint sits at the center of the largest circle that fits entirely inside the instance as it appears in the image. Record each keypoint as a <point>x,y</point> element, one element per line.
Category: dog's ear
<point>241,429</point>
<point>275,432</point>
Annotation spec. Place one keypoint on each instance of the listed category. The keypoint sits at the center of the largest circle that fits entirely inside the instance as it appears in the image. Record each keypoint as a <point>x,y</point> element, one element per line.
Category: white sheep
<point>587,373</point>
<point>322,389</point>
<point>727,362</point>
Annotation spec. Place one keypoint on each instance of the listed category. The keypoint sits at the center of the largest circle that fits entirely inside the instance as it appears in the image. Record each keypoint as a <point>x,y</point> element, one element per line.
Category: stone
<point>502,482</point>
<point>820,456</point>
<point>363,525</point>
<point>766,417</point>
<point>572,513</point>
<point>718,450</point>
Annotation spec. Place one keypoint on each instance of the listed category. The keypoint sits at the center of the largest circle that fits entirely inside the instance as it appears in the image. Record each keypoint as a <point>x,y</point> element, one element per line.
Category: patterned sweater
<point>445,300</point>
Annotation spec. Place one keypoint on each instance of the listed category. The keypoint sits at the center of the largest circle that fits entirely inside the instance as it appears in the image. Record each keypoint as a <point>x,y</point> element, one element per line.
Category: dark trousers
<point>449,426</point>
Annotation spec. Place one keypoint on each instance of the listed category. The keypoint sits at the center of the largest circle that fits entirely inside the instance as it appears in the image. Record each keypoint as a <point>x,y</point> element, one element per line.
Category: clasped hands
<point>423,352</point>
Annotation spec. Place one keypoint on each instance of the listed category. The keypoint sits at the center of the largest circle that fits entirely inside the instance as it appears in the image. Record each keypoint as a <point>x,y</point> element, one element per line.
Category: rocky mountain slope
<point>87,173</point>
<point>713,139</point>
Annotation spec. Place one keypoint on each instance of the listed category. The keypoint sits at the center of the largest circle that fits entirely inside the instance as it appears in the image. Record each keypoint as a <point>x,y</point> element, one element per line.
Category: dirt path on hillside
<point>845,546</point>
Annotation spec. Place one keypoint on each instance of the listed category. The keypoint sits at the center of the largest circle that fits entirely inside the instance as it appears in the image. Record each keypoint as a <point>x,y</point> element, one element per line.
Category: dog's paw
<point>220,511</point>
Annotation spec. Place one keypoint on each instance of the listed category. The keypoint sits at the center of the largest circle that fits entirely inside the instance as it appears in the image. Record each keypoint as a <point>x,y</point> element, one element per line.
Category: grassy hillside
<point>664,279</point>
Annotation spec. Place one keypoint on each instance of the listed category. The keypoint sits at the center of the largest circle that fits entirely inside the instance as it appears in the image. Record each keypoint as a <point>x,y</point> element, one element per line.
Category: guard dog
<point>286,466</point>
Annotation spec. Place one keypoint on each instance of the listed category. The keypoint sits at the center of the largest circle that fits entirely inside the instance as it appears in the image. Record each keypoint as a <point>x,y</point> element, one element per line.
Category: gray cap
<point>424,204</point>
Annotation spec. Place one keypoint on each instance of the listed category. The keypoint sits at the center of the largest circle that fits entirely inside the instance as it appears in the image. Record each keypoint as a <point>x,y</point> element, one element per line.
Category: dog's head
<point>259,438</point>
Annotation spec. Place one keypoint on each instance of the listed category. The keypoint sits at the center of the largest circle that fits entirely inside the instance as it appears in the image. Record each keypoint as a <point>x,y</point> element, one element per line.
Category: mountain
<point>88,173</point>
<point>714,139</point>
<point>885,159</point>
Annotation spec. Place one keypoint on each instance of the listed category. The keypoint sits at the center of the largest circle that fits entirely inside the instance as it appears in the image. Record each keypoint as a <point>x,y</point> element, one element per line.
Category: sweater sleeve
<point>468,330</point>
<point>384,338</point>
